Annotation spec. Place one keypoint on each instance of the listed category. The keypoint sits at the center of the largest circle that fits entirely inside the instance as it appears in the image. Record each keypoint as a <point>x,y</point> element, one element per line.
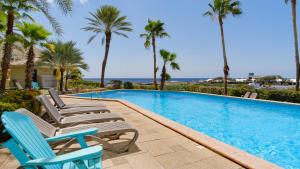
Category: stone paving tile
<point>176,159</point>
<point>157,147</point>
<point>220,163</point>
<point>123,166</point>
<point>119,161</point>
<point>143,161</point>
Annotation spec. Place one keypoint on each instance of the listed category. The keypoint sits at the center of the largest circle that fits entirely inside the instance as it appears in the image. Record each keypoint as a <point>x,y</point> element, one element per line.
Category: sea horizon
<point>146,80</point>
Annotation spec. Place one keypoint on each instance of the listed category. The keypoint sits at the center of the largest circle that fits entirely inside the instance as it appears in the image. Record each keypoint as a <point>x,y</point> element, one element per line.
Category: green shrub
<point>233,90</point>
<point>14,99</point>
<point>83,84</point>
<point>8,106</point>
<point>128,85</point>
<point>116,84</point>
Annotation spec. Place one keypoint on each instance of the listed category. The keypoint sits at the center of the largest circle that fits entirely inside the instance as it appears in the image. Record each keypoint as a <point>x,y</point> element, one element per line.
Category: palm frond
<point>107,19</point>
<point>65,5</point>
<point>92,38</point>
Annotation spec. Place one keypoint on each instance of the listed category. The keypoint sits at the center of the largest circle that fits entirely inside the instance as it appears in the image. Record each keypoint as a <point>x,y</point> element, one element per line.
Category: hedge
<point>83,84</point>
<point>238,91</point>
<point>14,99</point>
<point>128,85</point>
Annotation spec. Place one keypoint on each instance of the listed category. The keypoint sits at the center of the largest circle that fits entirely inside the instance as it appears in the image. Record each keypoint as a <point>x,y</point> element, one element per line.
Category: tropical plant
<point>17,9</point>
<point>2,26</point>
<point>31,34</point>
<point>221,9</point>
<point>64,57</point>
<point>107,20</point>
<point>153,30</point>
<point>167,58</point>
<point>297,62</point>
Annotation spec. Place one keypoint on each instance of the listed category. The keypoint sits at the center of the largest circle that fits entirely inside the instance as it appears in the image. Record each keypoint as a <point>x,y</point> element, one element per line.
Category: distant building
<point>43,75</point>
<point>240,80</point>
<point>251,76</point>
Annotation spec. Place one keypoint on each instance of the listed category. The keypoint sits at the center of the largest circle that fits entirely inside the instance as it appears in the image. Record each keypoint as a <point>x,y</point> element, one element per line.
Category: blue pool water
<point>268,130</point>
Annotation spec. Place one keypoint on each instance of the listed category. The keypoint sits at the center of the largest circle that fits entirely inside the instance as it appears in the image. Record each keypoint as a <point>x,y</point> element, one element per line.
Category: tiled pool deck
<point>157,147</point>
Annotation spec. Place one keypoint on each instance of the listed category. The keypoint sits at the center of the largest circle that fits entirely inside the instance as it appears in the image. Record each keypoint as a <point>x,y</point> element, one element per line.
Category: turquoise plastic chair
<point>35,85</point>
<point>32,150</point>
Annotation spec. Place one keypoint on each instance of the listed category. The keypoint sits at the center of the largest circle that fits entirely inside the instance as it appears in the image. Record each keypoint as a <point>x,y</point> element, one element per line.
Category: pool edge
<point>234,154</point>
<point>199,93</point>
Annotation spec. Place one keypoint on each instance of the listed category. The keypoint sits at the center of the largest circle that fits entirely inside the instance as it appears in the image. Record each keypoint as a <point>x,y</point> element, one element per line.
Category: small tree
<point>154,29</point>
<point>31,34</point>
<point>168,58</point>
<point>65,56</point>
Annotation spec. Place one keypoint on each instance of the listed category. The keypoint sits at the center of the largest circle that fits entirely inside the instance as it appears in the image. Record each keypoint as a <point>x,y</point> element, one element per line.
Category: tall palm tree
<point>221,9</point>
<point>15,9</point>
<point>65,56</point>
<point>294,15</point>
<point>153,30</point>
<point>107,20</point>
<point>167,58</point>
<point>31,34</point>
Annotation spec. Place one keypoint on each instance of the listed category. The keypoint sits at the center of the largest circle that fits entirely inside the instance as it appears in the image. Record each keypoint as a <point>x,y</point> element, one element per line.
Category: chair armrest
<point>76,134</point>
<point>83,154</point>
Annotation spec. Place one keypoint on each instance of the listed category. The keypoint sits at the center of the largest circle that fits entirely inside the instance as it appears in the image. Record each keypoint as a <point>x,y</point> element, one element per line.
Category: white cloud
<point>50,1</point>
<point>83,1</point>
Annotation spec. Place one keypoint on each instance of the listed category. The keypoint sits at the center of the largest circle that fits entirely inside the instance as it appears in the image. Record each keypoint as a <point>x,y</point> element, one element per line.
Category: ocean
<point>146,80</point>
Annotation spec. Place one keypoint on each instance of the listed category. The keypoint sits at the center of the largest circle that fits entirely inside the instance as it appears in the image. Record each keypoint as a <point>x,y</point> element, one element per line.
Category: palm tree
<point>15,9</point>
<point>167,58</point>
<point>107,20</point>
<point>221,9</point>
<point>153,30</point>
<point>64,57</point>
<point>74,63</point>
<point>294,15</point>
<point>31,34</point>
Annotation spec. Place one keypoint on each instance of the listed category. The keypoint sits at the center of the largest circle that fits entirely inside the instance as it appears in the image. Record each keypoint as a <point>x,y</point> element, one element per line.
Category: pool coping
<point>232,153</point>
<point>199,93</point>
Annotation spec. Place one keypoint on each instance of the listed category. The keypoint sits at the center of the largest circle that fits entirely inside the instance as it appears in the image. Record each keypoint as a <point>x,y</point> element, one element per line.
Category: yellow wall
<point>18,73</point>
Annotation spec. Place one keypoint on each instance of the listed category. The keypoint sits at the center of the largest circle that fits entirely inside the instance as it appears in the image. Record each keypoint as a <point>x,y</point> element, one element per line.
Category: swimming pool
<point>266,129</point>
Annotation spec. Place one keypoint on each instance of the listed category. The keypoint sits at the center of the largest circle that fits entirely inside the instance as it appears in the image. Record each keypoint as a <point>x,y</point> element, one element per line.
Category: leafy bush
<point>128,85</point>
<point>14,99</point>
<point>233,90</point>
<point>8,106</point>
<point>83,84</point>
<point>116,84</point>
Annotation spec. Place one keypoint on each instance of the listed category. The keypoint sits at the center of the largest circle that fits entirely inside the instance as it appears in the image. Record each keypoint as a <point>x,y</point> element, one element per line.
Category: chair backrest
<point>35,85</point>
<point>58,101</point>
<point>47,129</point>
<point>17,84</point>
<point>247,95</point>
<point>27,136</point>
<point>51,110</point>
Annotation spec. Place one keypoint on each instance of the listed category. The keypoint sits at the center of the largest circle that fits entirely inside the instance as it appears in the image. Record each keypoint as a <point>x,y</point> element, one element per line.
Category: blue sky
<point>260,40</point>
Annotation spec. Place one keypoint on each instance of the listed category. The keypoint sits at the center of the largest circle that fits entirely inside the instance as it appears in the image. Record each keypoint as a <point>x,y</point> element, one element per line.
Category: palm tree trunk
<point>29,67</point>
<point>107,45</point>
<point>294,14</point>
<point>7,50</point>
<point>61,83</point>
<point>66,81</point>
<point>163,77</point>
<point>154,62</point>
<point>226,67</point>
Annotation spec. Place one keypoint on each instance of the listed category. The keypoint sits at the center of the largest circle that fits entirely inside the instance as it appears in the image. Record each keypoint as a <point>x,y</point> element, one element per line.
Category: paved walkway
<point>156,148</point>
